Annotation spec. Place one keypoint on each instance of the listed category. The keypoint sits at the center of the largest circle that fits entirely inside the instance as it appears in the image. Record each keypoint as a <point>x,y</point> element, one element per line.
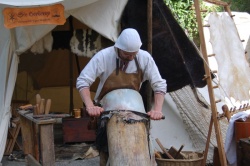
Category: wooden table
<point>37,138</point>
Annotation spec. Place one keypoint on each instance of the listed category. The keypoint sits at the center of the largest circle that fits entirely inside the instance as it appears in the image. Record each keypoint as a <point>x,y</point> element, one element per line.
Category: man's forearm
<point>86,97</point>
<point>158,101</point>
<point>91,109</point>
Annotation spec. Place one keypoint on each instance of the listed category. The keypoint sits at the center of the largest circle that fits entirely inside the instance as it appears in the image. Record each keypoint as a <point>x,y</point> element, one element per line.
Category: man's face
<point>127,56</point>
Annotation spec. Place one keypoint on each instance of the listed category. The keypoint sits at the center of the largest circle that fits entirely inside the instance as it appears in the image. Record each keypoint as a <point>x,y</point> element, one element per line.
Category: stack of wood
<point>172,153</point>
<point>41,108</point>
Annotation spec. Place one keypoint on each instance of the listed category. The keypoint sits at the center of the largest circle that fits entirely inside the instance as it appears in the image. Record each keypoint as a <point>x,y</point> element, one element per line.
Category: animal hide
<point>176,56</point>
<point>85,42</point>
<point>233,69</point>
<point>247,49</point>
<point>43,44</point>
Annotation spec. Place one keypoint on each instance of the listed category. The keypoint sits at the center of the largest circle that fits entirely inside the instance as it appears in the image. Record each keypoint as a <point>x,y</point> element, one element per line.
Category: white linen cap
<point>129,40</point>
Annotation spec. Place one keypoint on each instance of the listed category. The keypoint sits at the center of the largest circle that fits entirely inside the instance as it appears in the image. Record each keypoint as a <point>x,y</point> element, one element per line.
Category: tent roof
<point>28,2</point>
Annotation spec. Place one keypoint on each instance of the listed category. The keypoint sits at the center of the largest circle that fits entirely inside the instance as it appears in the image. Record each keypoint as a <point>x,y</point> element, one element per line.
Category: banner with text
<point>15,17</point>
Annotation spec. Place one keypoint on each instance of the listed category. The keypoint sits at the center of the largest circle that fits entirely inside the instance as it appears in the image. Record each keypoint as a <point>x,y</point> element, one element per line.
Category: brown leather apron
<point>118,79</point>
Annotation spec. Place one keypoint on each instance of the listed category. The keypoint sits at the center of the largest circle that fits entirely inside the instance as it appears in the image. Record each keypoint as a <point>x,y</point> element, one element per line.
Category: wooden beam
<point>149,48</point>
<point>210,86</point>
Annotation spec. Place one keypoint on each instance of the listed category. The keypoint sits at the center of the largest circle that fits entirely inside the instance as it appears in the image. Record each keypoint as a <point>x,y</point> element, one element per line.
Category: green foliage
<point>239,5</point>
<point>184,12</point>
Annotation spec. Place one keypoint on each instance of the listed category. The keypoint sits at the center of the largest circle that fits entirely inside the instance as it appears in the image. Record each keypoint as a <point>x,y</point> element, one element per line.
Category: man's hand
<point>155,115</point>
<point>94,110</point>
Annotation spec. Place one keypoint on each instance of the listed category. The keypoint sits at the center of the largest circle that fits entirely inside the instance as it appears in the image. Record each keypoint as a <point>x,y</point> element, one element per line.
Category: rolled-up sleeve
<point>89,74</point>
<point>158,84</point>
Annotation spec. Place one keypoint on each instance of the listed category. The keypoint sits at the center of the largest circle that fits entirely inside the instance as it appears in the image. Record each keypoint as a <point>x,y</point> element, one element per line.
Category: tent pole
<point>71,105</point>
<point>149,47</point>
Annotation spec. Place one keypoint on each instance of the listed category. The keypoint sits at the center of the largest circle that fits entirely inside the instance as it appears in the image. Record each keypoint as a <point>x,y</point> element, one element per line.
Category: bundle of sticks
<point>41,108</point>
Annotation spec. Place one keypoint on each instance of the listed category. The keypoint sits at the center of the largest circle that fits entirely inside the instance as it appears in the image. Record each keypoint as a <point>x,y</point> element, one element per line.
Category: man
<point>122,66</point>
<point>124,57</point>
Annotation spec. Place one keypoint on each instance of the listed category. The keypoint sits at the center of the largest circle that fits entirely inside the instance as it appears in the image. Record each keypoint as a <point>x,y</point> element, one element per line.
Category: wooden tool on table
<point>26,107</point>
<point>47,106</point>
<point>38,99</point>
<point>41,106</point>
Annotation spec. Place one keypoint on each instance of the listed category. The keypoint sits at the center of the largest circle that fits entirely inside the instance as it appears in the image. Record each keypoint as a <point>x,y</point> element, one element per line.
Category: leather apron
<point>118,79</point>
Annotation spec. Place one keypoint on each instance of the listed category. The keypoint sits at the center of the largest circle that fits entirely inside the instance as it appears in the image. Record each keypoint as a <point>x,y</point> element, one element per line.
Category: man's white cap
<point>129,40</point>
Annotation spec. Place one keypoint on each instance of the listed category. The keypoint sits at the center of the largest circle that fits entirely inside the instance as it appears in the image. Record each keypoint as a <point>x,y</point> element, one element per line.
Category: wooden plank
<point>37,121</point>
<point>47,145</point>
<point>27,136</point>
<point>13,140</point>
<point>36,141</point>
<point>7,152</point>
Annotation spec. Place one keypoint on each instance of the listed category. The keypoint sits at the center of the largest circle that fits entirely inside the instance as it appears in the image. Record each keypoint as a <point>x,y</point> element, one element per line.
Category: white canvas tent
<point>15,41</point>
<point>94,14</point>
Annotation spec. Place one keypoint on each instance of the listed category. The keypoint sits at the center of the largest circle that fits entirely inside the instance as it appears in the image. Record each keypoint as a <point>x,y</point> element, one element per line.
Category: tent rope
<point>197,119</point>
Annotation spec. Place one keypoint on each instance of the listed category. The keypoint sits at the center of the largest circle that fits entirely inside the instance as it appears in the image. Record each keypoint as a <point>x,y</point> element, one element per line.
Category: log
<point>128,143</point>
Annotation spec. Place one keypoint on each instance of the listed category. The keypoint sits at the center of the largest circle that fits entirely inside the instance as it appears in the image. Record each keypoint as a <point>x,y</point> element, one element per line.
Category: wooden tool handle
<point>41,107</point>
<point>163,149</point>
<point>25,107</point>
<point>47,107</point>
<point>38,99</point>
<point>226,112</point>
<point>178,152</point>
<point>36,110</point>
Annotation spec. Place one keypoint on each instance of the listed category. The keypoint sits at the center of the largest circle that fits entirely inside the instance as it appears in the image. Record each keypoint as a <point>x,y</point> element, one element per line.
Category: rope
<point>197,119</point>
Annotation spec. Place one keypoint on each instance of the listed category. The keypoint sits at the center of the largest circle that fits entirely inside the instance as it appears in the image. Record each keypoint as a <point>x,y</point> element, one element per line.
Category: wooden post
<point>208,141</point>
<point>210,87</point>
<point>128,143</point>
<point>47,144</point>
<point>27,136</point>
<point>149,46</point>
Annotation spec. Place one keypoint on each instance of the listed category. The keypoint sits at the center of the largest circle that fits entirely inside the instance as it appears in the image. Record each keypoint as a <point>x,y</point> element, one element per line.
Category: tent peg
<point>210,55</point>
<point>214,71</point>
<point>216,86</point>
<point>217,101</point>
